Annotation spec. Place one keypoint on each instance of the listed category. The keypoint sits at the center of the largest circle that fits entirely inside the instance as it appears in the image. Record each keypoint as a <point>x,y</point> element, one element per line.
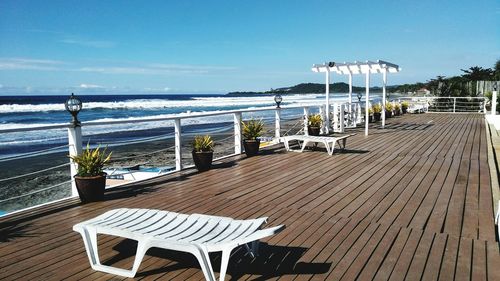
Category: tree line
<point>456,86</point>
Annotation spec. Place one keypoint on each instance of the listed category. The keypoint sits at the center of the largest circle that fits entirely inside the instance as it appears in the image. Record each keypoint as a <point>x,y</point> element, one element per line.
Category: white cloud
<point>119,68</point>
<point>157,69</point>
<point>90,86</point>
<point>29,64</point>
<point>89,43</point>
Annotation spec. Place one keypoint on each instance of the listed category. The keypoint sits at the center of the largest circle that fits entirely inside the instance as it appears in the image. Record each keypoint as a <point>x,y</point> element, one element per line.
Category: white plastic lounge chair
<point>328,142</point>
<point>196,234</point>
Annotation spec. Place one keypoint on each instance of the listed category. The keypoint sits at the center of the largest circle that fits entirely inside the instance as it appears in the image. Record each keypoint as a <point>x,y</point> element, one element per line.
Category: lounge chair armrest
<point>262,233</point>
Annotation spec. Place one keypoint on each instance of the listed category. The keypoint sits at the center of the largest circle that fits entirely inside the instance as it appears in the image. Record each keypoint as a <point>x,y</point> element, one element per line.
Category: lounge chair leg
<point>328,148</point>
<point>204,260</point>
<point>304,144</point>
<point>90,242</point>
<point>287,146</point>
<point>224,263</point>
<point>343,143</point>
<point>255,248</point>
<point>142,248</point>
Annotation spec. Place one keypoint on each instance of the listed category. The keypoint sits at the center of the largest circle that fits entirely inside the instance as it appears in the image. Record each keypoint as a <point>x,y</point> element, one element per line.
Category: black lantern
<point>277,100</point>
<point>359,97</point>
<point>73,105</point>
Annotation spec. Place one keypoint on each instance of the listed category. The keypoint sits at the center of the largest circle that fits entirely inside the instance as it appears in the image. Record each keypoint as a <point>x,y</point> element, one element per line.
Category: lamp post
<point>277,131</point>
<point>73,105</point>
<point>278,99</point>
<point>494,99</point>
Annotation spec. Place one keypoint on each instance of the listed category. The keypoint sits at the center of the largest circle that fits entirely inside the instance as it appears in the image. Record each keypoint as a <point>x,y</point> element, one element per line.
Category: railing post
<point>237,133</point>
<point>75,148</point>
<point>322,114</point>
<point>178,144</point>
<point>277,131</point>
<point>494,103</point>
<point>306,120</point>
<point>454,104</point>
<point>336,117</point>
<point>342,118</point>
<point>358,110</point>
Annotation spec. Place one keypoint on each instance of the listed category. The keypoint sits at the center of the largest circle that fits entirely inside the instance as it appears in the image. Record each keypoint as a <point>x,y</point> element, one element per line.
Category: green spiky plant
<point>314,120</point>
<point>252,129</point>
<point>377,108</point>
<point>203,144</point>
<point>405,105</point>
<point>388,106</point>
<point>91,161</point>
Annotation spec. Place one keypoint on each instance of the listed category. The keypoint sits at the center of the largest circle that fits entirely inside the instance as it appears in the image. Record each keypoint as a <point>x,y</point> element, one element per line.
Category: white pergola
<point>348,68</point>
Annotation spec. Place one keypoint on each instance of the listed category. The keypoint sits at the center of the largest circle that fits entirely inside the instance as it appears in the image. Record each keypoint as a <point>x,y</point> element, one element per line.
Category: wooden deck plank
<point>433,265</point>
<point>411,201</point>
<point>419,260</point>
<point>386,268</point>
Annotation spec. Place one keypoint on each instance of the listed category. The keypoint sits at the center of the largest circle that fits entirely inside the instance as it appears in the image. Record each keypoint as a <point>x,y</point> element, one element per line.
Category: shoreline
<point>157,153</point>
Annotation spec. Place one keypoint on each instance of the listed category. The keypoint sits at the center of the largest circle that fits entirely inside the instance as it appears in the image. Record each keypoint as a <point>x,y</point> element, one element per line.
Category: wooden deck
<point>411,202</point>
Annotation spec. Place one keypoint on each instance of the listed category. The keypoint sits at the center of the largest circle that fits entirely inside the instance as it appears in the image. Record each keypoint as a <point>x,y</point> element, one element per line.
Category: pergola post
<point>384,81</point>
<point>327,107</point>
<point>349,69</point>
<point>367,97</point>
<point>350,87</point>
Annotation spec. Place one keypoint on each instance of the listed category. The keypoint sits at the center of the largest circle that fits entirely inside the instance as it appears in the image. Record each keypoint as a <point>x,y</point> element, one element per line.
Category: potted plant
<point>370,115</point>
<point>90,179</point>
<point>404,106</point>
<point>314,122</point>
<point>397,109</point>
<point>203,152</point>
<point>388,110</point>
<point>377,112</point>
<point>252,129</point>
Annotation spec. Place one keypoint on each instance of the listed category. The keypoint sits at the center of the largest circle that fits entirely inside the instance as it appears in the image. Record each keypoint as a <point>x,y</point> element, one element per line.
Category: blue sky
<point>220,46</point>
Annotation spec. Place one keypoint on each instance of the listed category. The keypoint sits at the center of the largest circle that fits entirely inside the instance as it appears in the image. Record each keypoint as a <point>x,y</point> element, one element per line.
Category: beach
<point>157,153</point>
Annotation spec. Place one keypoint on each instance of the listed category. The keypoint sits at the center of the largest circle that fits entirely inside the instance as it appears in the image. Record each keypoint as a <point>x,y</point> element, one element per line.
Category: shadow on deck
<point>411,201</point>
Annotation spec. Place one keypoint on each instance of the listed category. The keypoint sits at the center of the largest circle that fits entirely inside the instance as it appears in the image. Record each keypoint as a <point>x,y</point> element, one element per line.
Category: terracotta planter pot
<point>91,189</point>
<point>203,160</point>
<point>377,116</point>
<point>251,147</point>
<point>313,131</point>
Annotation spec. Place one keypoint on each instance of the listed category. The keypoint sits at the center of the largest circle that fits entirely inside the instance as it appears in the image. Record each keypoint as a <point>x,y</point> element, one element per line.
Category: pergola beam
<point>366,68</point>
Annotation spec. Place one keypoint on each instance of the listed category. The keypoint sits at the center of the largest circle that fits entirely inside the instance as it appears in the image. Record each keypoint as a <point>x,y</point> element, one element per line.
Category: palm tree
<point>497,70</point>
<point>477,73</point>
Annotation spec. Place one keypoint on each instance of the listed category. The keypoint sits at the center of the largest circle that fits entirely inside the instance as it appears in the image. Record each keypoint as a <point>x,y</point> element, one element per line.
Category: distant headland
<point>311,88</point>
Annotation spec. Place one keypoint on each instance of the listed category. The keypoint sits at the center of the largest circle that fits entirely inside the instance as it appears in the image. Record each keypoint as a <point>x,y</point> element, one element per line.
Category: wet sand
<point>151,154</point>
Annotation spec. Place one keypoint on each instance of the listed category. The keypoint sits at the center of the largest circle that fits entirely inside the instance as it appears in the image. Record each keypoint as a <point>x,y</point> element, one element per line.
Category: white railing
<point>75,137</point>
<point>447,104</point>
<point>343,115</point>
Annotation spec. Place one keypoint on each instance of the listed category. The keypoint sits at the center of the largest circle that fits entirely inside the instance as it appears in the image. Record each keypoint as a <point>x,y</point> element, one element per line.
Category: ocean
<point>32,111</point>
<point>34,164</point>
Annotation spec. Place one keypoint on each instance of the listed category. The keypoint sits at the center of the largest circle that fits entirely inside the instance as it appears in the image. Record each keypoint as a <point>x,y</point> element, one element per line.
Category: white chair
<point>196,234</point>
<point>328,142</point>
